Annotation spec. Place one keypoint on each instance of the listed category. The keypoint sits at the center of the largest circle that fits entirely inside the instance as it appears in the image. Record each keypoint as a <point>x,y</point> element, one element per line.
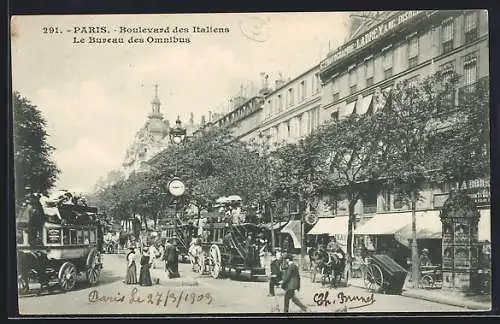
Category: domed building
<point>152,138</point>
<point>149,140</point>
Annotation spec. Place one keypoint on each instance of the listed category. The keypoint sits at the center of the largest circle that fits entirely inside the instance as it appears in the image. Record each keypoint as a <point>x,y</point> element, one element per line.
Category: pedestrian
<point>131,276</point>
<point>276,274</point>
<point>145,274</point>
<point>290,283</point>
<point>171,259</point>
<point>153,255</point>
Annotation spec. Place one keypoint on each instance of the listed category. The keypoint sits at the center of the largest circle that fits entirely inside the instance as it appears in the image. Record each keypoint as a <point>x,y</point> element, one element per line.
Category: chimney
<point>203,120</point>
<point>191,118</point>
<point>209,116</point>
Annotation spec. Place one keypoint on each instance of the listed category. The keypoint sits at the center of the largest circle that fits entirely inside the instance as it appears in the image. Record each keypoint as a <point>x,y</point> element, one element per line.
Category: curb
<point>468,305</point>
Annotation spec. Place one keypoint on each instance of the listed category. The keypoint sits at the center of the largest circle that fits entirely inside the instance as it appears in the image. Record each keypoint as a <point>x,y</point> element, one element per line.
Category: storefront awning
<point>363,104</point>
<point>331,226</point>
<point>347,109</point>
<point>384,224</point>
<point>428,224</point>
<point>293,228</point>
<point>484,226</point>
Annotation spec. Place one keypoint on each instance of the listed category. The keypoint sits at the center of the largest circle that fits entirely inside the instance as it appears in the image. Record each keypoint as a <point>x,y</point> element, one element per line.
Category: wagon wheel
<point>427,281</point>
<point>373,277</point>
<point>94,266</point>
<point>67,276</point>
<point>22,285</point>
<point>216,261</point>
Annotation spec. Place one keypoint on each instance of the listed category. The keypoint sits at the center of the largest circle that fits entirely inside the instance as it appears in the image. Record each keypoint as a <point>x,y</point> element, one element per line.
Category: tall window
<point>353,82</point>
<point>413,52</point>
<point>269,108</point>
<point>303,90</point>
<point>470,27</point>
<point>470,72</point>
<point>447,70</point>
<point>387,62</point>
<point>448,34</point>
<point>290,97</point>
<point>335,89</point>
<point>300,130</point>
<point>369,72</point>
<point>280,103</point>
<point>315,83</point>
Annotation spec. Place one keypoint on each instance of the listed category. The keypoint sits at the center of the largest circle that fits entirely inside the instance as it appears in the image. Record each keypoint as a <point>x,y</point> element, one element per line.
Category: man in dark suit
<point>290,283</point>
<point>276,274</point>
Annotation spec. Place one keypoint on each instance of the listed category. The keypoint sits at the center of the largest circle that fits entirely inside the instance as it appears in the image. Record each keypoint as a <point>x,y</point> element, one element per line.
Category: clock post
<point>176,187</point>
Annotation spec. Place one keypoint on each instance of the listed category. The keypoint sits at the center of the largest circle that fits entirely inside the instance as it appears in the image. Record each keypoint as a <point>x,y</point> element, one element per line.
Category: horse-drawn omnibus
<point>231,250</point>
<point>59,242</point>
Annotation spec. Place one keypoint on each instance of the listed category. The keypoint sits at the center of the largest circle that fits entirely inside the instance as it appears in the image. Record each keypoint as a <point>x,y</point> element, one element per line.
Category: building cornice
<point>330,65</point>
<point>388,82</point>
<point>287,83</point>
<point>294,110</point>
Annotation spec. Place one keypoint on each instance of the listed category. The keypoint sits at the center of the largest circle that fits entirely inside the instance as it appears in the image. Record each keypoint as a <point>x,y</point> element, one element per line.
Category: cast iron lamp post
<point>176,187</point>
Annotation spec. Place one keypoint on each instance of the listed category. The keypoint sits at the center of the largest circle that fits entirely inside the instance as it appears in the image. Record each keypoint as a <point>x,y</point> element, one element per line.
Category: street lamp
<point>265,151</point>
<point>177,134</point>
<point>176,187</point>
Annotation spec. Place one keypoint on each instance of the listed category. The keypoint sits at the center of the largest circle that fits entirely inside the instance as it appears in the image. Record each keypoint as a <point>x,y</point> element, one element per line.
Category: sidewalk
<point>439,296</point>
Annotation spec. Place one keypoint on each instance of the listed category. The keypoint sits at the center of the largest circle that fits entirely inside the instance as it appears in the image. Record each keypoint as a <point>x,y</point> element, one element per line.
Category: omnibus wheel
<point>67,276</point>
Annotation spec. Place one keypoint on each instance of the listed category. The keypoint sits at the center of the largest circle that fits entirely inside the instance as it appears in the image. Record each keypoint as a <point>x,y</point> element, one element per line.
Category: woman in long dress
<point>145,274</point>
<point>131,277</point>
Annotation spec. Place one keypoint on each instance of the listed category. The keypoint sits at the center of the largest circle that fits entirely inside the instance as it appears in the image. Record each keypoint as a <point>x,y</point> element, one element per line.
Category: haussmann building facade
<point>383,49</point>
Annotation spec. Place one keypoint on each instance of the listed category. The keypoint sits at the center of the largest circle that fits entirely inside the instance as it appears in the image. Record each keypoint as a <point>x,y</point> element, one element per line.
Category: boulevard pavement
<point>196,294</point>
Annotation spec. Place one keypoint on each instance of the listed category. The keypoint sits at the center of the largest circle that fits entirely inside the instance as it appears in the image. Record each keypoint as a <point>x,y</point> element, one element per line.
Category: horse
<point>334,267</point>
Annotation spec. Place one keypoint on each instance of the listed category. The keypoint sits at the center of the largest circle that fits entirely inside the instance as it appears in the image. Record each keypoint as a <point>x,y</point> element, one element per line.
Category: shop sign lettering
<point>368,37</point>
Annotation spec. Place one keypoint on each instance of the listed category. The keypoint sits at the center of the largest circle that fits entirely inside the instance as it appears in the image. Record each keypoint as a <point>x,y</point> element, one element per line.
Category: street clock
<point>176,187</point>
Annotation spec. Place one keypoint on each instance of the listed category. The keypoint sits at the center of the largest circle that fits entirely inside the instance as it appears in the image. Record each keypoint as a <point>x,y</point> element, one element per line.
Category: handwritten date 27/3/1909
<point>158,298</point>
<point>324,299</point>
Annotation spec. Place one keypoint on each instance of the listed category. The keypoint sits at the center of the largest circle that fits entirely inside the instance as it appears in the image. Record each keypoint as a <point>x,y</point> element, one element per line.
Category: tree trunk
<point>415,273</point>
<point>303,236</point>
<point>273,239</point>
<point>350,230</point>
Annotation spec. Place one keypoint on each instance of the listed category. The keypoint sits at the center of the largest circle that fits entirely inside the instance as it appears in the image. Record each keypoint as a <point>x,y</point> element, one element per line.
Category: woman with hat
<point>131,276</point>
<point>145,274</point>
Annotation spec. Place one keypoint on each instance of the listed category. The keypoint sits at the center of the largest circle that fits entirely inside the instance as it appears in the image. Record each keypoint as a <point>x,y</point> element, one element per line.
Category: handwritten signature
<point>158,298</point>
<point>324,299</point>
<point>255,28</point>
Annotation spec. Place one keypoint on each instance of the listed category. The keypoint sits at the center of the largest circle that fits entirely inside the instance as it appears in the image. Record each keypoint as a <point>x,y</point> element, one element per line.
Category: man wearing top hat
<point>290,283</point>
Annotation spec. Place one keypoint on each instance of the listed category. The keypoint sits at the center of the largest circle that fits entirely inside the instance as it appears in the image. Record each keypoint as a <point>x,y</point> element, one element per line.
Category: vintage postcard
<point>263,163</point>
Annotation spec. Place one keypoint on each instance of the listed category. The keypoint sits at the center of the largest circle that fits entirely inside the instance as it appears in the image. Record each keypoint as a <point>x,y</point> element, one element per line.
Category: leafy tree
<point>461,151</point>
<point>411,123</point>
<point>33,166</point>
<point>299,174</point>
<point>351,154</point>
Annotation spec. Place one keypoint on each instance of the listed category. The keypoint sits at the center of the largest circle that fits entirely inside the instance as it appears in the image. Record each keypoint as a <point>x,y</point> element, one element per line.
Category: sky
<point>95,97</point>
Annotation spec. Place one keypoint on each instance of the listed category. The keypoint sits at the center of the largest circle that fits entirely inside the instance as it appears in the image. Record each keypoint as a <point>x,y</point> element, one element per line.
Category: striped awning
<point>330,226</point>
<point>293,228</point>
